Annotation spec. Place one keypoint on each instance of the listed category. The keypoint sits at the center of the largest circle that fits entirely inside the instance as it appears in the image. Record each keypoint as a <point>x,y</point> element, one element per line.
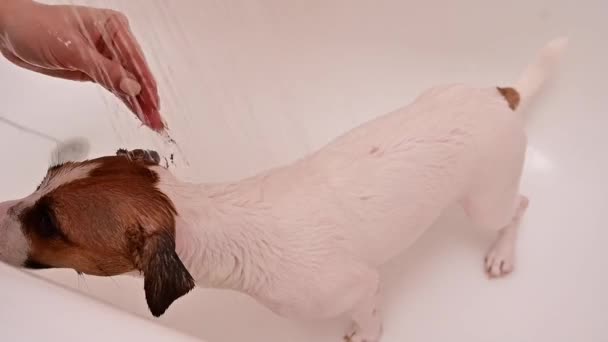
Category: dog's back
<point>377,188</point>
<point>374,190</point>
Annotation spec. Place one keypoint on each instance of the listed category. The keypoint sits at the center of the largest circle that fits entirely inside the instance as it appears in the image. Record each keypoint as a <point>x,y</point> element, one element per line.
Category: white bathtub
<point>249,85</point>
<point>33,309</point>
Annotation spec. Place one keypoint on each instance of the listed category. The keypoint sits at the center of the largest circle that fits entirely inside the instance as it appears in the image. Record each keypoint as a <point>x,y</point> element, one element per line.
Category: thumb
<point>108,73</point>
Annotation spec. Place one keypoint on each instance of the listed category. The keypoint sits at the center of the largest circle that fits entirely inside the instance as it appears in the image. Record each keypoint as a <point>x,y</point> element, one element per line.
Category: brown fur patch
<point>511,95</point>
<point>97,216</point>
<point>111,221</point>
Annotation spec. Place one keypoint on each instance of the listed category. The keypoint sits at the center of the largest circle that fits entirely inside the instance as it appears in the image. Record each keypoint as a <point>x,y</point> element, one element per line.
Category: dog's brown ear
<point>165,277</point>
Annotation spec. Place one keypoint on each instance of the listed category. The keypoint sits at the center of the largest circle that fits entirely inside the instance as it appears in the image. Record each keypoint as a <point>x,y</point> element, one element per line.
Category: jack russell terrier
<point>304,239</point>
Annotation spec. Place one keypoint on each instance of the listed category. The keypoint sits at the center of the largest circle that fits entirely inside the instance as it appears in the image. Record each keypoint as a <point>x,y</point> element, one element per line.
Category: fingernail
<point>130,87</point>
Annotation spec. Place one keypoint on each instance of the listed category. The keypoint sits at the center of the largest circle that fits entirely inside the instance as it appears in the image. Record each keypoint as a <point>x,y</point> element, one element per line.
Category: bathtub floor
<point>248,86</point>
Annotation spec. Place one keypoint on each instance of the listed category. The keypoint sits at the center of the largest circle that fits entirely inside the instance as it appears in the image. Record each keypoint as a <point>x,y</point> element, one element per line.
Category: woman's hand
<point>82,44</point>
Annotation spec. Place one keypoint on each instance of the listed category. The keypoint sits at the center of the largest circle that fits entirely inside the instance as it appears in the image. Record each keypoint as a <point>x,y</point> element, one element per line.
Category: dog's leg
<point>503,216</point>
<point>495,202</point>
<point>502,213</point>
<point>500,258</point>
<point>366,317</point>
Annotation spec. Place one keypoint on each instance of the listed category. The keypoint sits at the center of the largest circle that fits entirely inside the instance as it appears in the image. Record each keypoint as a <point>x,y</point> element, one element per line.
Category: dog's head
<point>104,217</point>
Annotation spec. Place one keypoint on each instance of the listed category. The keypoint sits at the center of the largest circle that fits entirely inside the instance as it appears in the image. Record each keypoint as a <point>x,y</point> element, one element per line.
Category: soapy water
<point>181,68</point>
<point>169,148</point>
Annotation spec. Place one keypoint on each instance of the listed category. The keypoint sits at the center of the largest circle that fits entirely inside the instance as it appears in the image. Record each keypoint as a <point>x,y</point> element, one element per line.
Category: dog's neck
<point>223,235</point>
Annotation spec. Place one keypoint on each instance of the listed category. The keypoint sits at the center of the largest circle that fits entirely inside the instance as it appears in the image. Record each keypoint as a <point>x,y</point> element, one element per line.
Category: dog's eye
<point>40,220</point>
<point>46,227</point>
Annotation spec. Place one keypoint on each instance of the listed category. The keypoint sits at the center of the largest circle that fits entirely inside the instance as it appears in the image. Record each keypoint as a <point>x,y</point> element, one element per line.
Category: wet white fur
<point>306,239</point>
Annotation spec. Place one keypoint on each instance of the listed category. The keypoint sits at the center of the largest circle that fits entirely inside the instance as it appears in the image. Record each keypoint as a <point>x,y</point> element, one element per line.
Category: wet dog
<point>304,239</point>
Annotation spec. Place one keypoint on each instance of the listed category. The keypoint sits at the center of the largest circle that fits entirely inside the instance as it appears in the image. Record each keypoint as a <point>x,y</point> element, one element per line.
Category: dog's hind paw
<point>500,260</point>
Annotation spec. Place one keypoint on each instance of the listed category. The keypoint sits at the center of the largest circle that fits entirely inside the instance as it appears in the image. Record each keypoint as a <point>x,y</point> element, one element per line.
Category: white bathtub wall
<point>43,311</point>
<point>247,85</point>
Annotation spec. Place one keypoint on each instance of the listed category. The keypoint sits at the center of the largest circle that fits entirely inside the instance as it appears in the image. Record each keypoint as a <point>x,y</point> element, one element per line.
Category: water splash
<point>174,149</point>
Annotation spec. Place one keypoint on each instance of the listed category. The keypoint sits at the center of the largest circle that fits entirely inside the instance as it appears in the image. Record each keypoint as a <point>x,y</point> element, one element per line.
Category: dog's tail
<point>535,74</point>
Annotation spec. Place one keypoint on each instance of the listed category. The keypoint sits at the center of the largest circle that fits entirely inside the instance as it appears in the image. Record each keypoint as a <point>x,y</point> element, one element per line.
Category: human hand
<point>83,44</point>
